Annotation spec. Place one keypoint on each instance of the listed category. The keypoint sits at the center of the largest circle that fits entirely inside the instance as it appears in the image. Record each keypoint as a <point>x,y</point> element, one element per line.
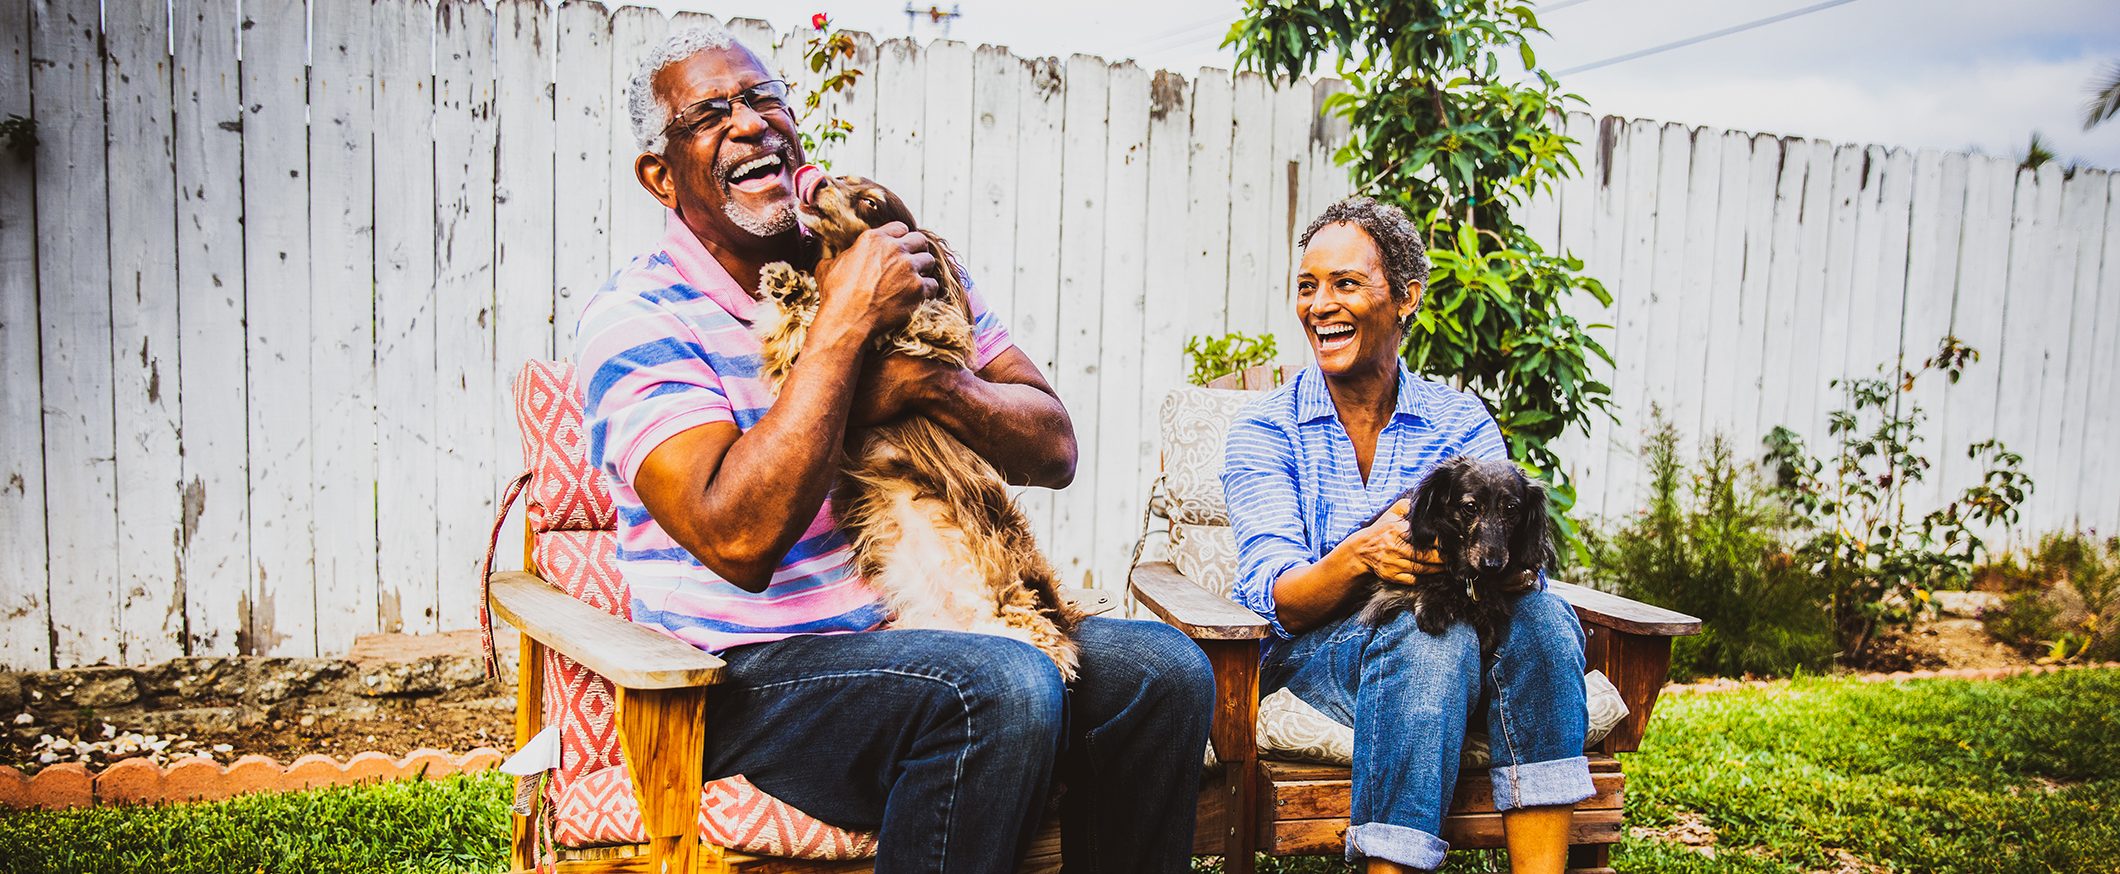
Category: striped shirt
<point>1293,488</point>
<point>666,346</point>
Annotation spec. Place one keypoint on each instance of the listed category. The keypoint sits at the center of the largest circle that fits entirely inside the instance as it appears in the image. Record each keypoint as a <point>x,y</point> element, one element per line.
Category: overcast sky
<point>1952,74</point>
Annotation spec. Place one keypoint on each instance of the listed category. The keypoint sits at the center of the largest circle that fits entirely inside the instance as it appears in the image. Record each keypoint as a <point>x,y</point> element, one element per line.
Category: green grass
<point>456,824</point>
<point>1944,776</point>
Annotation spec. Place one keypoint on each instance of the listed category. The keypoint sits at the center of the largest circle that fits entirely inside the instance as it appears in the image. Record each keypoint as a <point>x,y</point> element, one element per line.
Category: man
<point>947,743</point>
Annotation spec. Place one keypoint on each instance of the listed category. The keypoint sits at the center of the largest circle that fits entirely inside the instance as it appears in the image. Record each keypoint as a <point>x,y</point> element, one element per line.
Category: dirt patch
<point>1949,642</point>
<point>394,694</point>
<point>1841,861</point>
<point>1690,831</point>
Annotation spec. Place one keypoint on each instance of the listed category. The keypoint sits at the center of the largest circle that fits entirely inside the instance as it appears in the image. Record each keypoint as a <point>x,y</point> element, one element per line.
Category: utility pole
<point>936,15</point>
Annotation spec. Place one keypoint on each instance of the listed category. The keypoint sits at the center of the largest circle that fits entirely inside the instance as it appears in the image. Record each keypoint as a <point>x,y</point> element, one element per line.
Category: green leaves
<point>1439,132</point>
<point>1214,356</point>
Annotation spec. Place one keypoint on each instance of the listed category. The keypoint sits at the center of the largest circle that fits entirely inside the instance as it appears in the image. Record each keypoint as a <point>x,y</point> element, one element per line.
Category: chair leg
<point>529,720</point>
<point>1236,666</point>
<point>663,733</point>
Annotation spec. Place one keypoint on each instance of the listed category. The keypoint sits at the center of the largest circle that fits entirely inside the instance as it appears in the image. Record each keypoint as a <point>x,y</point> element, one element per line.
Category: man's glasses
<point>763,97</point>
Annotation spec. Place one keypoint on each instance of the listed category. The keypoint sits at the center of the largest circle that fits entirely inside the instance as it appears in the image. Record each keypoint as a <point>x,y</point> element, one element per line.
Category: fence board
<point>2021,359</point>
<point>989,249</point>
<point>1763,176</point>
<point>1938,207</point>
<point>407,385</point>
<point>899,115</point>
<point>2101,412</point>
<point>1041,123</point>
<point>1251,177</point>
<point>2065,400</point>
<point>1976,317</point>
<point>342,311</point>
<point>1887,298</point>
<point>636,219</point>
<point>525,224</point>
<point>1121,435</point>
<point>25,611</point>
<point>464,298</point>
<point>142,208</point>
<point>585,115</point>
<point>1724,286</point>
<point>1207,206</point>
<point>1688,307</point>
<point>1168,290</point>
<point>1285,216</point>
<point>1636,262</point>
<point>1607,235</point>
<point>1082,241</point>
<point>74,310</point>
<point>1574,221</point>
<point>946,139</point>
<point>857,153</point>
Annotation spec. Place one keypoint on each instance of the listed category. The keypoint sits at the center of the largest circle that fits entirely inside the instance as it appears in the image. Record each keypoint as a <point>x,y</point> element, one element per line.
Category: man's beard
<point>779,218</point>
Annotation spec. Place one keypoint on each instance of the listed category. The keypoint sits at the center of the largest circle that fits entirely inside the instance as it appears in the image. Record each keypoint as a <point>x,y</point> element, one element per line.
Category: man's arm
<point>738,501</point>
<point>1006,412</point>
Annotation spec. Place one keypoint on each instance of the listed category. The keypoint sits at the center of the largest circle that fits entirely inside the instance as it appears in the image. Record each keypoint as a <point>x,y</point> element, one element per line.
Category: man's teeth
<point>755,164</point>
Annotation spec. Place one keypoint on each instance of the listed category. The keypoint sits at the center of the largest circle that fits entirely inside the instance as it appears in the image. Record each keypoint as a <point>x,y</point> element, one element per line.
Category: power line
<point>1556,7</point>
<point>1692,40</point>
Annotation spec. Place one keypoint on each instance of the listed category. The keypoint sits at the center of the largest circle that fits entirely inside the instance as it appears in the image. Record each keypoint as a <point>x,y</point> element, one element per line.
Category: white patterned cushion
<point>1195,423</point>
<point>1206,555</point>
<point>1289,728</point>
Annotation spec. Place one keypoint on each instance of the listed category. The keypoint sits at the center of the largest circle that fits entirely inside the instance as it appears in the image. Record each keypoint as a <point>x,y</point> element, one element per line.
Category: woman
<point>1307,466</point>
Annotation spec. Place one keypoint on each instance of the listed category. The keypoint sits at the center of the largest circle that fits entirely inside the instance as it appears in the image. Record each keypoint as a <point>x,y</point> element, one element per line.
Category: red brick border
<point>1722,684</point>
<point>139,781</point>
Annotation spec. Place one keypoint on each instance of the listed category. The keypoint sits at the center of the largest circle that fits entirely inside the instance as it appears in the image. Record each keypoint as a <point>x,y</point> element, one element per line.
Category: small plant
<point>1230,353</point>
<point>1880,563</point>
<point>827,52</point>
<point>2061,601</point>
<point>1710,543</point>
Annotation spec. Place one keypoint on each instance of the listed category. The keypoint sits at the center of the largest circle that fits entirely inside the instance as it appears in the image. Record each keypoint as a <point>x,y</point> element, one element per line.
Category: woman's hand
<point>1382,549</point>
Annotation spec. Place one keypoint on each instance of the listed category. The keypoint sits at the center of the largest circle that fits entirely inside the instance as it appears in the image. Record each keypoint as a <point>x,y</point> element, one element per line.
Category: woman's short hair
<point>1398,241</point>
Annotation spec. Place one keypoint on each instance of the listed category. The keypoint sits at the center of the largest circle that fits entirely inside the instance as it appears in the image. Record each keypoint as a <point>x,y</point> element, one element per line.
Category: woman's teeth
<point>1334,336</point>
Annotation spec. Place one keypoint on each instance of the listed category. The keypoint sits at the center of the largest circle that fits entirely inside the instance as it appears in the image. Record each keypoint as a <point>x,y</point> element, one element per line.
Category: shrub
<point>1881,563</point>
<point>1214,356</point>
<point>2061,601</point>
<point>1710,544</point>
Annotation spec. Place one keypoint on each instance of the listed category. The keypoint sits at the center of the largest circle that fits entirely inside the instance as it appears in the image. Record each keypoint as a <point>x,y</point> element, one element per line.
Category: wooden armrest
<point>628,654</point>
<point>1182,603</point>
<point>1624,615</point>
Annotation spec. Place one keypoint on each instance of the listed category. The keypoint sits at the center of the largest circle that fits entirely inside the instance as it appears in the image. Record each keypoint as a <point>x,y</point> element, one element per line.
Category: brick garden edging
<point>1723,684</point>
<point>139,781</point>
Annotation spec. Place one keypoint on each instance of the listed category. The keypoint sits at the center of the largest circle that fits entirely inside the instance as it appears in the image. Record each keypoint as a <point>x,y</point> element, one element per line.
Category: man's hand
<point>1382,549</point>
<point>894,385</point>
<point>875,284</point>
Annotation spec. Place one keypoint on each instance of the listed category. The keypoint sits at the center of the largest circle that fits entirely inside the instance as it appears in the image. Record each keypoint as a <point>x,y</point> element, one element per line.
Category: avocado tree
<point>1453,120</point>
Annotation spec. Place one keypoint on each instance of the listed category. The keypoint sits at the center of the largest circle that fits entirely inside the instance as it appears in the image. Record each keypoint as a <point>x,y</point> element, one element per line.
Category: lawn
<point>1821,774</point>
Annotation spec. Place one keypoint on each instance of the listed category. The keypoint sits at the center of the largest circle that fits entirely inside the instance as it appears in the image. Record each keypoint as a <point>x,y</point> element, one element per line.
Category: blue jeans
<point>1409,694</point>
<point>948,743</point>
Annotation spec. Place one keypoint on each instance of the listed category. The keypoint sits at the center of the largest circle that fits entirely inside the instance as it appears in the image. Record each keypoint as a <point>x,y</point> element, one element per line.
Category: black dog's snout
<point>1492,562</point>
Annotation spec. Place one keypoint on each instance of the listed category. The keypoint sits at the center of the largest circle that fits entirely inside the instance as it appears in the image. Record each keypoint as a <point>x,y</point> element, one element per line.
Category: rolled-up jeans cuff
<point>1542,784</point>
<point>1396,843</point>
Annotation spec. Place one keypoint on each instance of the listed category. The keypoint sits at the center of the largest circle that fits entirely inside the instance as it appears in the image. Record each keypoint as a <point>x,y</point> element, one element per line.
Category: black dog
<point>1489,523</point>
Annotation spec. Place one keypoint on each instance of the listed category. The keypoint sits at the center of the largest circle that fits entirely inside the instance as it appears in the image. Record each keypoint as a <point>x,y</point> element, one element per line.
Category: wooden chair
<point>631,702</point>
<point>1291,808</point>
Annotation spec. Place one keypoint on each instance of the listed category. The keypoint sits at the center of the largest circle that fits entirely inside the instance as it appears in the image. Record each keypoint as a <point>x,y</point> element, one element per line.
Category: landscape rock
<point>1966,605</point>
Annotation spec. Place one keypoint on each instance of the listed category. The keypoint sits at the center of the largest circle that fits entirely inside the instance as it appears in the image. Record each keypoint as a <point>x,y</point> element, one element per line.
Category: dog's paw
<point>787,286</point>
<point>1432,617</point>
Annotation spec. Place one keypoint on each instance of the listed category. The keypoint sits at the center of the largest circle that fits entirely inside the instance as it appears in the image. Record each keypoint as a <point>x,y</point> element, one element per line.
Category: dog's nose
<point>1493,563</point>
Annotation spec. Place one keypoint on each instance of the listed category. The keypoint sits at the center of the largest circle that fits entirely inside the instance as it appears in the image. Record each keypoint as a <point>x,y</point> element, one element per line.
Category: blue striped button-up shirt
<point>1292,485</point>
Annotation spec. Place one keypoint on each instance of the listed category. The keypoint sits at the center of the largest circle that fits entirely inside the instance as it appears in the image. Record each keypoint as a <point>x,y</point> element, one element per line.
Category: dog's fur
<point>932,524</point>
<point>1489,523</point>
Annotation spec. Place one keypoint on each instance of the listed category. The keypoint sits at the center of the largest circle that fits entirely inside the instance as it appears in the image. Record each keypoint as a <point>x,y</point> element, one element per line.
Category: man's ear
<point>655,175</point>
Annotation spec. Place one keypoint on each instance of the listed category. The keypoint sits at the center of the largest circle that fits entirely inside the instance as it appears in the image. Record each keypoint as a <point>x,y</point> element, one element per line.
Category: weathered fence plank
<point>1081,242</point>
<point>407,385</point>
<point>1724,287</point>
<point>1938,207</point>
<point>1120,431</point>
<point>900,113</point>
<point>946,140</point>
<point>342,308</point>
<point>989,250</point>
<point>1168,292</point>
<point>1251,176</point>
<point>142,208</point>
<point>636,219</point>
<point>74,311</point>
<point>525,224</point>
<point>586,116</point>
<point>2066,400</point>
<point>464,134</point>
<point>1207,206</point>
<point>25,610</point>
<point>1035,318</point>
<point>1983,271</point>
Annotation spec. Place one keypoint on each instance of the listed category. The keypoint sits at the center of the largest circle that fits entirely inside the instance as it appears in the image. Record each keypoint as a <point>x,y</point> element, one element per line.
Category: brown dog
<point>932,523</point>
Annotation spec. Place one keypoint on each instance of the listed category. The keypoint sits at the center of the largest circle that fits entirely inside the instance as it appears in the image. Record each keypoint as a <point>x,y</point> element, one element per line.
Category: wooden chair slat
<point>1329,799</point>
<point>1317,837</point>
<point>1201,614</point>
<point>630,655</point>
<point>1624,614</point>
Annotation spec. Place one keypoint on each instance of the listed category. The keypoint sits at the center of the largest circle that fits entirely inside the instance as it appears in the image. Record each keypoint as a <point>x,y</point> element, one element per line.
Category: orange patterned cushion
<point>600,810</point>
<point>570,511</point>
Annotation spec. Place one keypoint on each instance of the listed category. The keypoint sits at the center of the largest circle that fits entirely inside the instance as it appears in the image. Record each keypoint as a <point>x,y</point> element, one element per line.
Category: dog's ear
<point>1437,492</point>
<point>1531,547</point>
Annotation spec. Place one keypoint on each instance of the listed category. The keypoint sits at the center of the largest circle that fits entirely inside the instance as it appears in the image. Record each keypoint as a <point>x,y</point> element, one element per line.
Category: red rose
<point>818,21</point>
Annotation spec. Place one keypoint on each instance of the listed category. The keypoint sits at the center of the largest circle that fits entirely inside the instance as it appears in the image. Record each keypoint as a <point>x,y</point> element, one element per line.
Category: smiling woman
<point>1310,478</point>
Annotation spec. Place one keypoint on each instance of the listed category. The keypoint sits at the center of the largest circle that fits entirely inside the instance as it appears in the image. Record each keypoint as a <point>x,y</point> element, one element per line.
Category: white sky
<point>1952,74</point>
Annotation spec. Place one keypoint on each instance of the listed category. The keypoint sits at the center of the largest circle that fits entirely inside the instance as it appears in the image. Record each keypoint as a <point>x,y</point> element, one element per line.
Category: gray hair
<point>1398,240</point>
<point>649,113</point>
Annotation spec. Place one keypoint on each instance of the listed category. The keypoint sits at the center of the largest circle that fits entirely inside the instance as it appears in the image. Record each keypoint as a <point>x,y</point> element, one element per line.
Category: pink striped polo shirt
<point>665,346</point>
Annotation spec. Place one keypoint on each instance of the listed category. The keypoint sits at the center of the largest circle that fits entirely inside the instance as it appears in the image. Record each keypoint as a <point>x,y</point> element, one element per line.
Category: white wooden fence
<point>257,318</point>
